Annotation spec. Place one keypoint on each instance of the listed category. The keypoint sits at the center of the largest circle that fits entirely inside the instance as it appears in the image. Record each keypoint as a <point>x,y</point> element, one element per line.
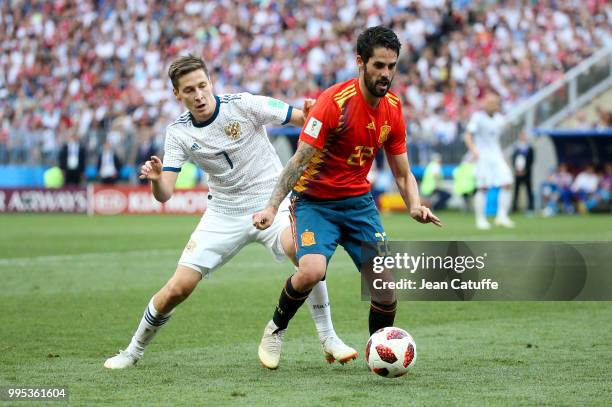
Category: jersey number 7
<point>229,161</point>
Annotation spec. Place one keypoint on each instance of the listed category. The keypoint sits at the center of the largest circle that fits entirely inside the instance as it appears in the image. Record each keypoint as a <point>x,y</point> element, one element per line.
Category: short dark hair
<point>184,65</point>
<point>375,37</point>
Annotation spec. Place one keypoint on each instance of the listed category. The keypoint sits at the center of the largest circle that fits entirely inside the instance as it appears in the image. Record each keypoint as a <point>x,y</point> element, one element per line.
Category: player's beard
<point>371,84</point>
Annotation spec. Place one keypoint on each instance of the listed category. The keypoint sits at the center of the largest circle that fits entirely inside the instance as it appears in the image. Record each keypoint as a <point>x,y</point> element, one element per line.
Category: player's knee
<point>312,269</point>
<point>386,297</point>
<point>177,291</point>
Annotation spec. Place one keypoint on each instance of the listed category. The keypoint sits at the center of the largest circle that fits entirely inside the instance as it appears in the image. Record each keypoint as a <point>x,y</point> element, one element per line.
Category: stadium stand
<point>98,68</point>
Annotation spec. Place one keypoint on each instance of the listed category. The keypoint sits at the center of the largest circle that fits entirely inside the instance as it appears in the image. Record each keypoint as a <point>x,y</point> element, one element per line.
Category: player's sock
<point>480,199</point>
<point>503,205</point>
<point>318,303</point>
<point>381,315</point>
<point>289,302</point>
<point>150,324</point>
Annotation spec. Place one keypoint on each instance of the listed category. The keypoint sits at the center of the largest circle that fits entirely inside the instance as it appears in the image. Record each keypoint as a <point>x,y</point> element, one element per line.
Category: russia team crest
<point>233,130</point>
<point>190,246</point>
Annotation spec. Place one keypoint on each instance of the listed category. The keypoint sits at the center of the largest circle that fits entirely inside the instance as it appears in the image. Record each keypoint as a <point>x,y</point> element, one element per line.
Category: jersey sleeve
<point>396,143</point>
<point>266,110</point>
<point>174,154</point>
<point>472,126</point>
<point>323,118</point>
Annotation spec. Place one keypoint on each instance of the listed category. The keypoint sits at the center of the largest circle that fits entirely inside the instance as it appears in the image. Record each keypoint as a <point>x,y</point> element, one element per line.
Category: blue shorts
<point>320,226</point>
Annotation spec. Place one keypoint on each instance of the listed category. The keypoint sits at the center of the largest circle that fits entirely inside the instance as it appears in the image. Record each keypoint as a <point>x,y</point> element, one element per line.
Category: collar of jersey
<point>211,119</point>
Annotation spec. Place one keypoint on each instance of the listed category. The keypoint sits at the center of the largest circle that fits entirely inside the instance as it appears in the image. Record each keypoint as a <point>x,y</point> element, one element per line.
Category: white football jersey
<point>486,131</point>
<point>233,149</point>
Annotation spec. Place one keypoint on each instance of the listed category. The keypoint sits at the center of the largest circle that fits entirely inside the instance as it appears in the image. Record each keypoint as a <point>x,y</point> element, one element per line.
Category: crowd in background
<point>602,119</point>
<point>583,190</point>
<point>96,70</point>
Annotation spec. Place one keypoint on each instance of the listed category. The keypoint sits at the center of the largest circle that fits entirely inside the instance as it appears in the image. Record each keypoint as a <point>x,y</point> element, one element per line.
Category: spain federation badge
<point>384,133</point>
<point>233,130</point>
<point>308,238</point>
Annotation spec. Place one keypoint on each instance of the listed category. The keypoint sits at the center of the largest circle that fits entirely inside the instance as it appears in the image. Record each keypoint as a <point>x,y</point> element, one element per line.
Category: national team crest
<point>308,238</point>
<point>384,133</point>
<point>233,130</point>
<point>190,246</point>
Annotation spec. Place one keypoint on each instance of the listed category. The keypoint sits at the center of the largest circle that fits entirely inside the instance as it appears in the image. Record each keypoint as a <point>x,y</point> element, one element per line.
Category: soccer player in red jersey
<point>331,200</point>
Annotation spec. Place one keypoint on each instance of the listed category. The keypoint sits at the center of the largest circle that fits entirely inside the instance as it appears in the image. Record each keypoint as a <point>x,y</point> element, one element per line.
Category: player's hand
<point>152,169</point>
<point>308,104</point>
<point>423,214</point>
<point>264,219</point>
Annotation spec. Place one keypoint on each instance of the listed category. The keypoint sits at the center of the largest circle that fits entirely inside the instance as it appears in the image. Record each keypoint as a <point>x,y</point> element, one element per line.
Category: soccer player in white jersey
<point>482,140</point>
<point>225,136</point>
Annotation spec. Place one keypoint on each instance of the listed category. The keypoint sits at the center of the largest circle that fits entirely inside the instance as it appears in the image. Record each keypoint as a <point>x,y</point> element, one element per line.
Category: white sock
<point>150,324</point>
<point>503,203</point>
<point>318,304</point>
<point>479,205</point>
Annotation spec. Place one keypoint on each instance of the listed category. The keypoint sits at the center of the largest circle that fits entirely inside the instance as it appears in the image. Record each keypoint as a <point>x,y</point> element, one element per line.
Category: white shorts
<point>218,237</point>
<point>492,171</point>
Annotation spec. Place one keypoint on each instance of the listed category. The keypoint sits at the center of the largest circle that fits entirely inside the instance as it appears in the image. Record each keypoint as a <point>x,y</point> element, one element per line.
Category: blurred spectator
<point>432,189</point>
<point>72,160</point>
<point>145,148</point>
<point>557,190</point>
<point>601,198</point>
<point>84,65</point>
<point>522,162</point>
<point>604,118</point>
<point>464,181</point>
<point>4,137</point>
<point>109,165</point>
<point>585,187</point>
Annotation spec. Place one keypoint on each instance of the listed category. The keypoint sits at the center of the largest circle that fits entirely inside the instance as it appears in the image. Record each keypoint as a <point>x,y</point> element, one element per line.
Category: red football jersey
<point>348,133</point>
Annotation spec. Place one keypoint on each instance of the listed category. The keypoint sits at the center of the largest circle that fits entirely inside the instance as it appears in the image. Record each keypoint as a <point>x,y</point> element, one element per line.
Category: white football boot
<point>121,360</point>
<point>504,221</point>
<point>335,349</point>
<point>483,224</point>
<point>270,347</point>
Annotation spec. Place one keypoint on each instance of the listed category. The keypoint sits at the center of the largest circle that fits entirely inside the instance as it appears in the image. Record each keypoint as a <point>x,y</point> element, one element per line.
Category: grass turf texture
<point>75,287</point>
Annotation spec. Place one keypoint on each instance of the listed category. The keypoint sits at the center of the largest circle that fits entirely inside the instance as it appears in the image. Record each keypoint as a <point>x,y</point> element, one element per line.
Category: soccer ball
<point>390,352</point>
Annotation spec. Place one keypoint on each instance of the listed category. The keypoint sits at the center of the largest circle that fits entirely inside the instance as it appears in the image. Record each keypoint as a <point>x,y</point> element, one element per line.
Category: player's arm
<point>468,138</point>
<point>287,179</point>
<point>409,189</point>
<point>162,182</point>
<point>298,117</point>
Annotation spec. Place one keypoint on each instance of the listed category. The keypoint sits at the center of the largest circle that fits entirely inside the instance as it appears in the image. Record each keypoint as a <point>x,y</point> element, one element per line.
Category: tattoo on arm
<point>292,173</point>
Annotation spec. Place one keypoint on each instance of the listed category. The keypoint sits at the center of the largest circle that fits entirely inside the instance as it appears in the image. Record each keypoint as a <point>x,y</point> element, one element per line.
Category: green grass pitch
<point>75,287</point>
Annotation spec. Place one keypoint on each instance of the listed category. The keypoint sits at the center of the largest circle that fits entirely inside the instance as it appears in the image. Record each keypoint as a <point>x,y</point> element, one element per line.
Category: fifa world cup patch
<point>308,238</point>
<point>233,130</point>
<point>190,246</point>
<point>313,127</point>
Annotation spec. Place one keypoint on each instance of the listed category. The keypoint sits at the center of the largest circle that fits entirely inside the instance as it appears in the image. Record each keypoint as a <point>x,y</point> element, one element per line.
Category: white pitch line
<point>83,256</point>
